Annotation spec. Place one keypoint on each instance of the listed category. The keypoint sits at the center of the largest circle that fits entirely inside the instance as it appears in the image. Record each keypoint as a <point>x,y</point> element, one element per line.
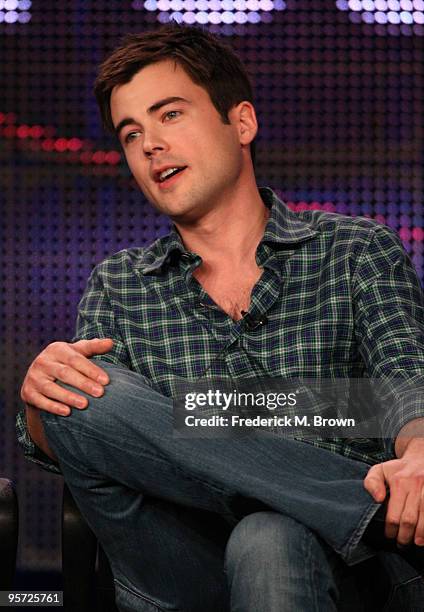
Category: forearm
<point>411,435</point>
<point>36,430</point>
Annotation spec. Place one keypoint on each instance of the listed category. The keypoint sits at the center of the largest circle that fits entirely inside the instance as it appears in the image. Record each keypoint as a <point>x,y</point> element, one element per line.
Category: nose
<point>153,142</point>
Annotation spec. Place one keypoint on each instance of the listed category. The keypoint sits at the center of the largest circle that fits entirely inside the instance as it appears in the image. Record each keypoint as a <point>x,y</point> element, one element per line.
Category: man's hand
<point>405,479</point>
<point>68,363</point>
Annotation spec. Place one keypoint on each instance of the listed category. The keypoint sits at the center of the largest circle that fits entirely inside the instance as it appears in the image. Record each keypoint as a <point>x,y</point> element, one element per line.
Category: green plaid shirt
<point>340,294</point>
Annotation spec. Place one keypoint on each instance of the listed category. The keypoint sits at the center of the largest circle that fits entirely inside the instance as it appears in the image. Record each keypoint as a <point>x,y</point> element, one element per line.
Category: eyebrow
<point>152,109</point>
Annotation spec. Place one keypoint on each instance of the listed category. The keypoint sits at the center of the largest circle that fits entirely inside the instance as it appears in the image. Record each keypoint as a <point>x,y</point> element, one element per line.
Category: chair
<point>8,533</point>
<point>87,585</point>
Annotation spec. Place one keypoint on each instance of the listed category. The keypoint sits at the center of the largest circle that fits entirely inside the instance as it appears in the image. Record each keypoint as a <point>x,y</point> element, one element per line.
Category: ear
<point>244,117</point>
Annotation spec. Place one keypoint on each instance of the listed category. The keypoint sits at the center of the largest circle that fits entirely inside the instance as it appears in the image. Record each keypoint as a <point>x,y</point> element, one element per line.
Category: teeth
<point>166,173</point>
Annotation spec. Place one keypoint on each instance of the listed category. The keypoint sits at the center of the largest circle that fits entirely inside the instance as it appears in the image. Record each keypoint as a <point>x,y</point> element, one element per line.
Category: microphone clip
<point>252,323</point>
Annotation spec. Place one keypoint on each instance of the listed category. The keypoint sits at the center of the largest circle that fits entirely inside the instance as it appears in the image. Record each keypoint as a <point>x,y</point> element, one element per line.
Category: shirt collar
<point>283,227</point>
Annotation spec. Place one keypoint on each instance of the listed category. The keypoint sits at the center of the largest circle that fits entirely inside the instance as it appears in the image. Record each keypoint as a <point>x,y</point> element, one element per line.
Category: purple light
<point>227,17</point>
<point>189,18</point>
<point>215,17</point>
<point>266,5</point>
<point>11,17</point>
<point>406,17</point>
<point>253,17</point>
<point>24,17</point>
<point>380,17</point>
<point>240,17</point>
<point>176,17</point>
<point>399,14</point>
<point>11,5</point>
<point>215,12</point>
<point>163,17</point>
<point>355,5</point>
<point>201,17</point>
<point>393,17</point>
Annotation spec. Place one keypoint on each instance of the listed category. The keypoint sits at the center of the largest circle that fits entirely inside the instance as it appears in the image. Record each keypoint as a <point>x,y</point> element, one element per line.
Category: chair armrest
<point>79,550</point>
<point>8,533</point>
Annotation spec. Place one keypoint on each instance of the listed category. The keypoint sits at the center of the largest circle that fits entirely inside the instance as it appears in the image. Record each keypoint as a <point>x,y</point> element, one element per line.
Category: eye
<point>131,136</point>
<point>171,115</point>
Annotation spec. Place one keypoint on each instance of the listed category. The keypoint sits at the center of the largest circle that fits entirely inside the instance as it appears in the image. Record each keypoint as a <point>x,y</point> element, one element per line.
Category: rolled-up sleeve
<point>389,327</point>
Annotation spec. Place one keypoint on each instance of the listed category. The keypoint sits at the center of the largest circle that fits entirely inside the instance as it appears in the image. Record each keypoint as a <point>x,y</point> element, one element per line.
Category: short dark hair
<point>208,61</point>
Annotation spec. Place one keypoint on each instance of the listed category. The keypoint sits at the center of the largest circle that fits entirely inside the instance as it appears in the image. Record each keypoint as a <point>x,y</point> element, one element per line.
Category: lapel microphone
<point>252,323</point>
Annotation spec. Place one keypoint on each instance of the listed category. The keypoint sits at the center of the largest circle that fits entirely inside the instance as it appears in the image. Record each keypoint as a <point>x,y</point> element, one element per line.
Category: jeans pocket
<point>407,596</point>
<point>129,600</point>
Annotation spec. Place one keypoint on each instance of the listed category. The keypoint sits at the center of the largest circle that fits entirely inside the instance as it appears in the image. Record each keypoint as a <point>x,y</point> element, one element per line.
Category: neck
<point>229,233</point>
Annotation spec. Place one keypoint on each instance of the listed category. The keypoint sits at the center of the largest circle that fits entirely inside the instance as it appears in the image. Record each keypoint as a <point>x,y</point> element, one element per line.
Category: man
<point>242,287</point>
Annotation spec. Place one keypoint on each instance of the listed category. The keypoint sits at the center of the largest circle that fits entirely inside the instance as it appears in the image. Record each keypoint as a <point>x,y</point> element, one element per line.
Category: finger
<point>44,403</point>
<point>419,531</point>
<point>96,346</point>
<point>52,390</point>
<point>86,367</point>
<point>70,376</point>
<point>375,482</point>
<point>395,508</point>
<point>409,518</point>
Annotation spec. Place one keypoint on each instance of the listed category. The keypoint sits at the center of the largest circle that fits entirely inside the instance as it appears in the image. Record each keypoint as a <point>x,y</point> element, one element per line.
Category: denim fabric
<point>120,453</point>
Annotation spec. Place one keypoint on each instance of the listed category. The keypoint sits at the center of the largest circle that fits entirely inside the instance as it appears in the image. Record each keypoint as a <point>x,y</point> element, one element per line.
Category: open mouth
<point>167,175</point>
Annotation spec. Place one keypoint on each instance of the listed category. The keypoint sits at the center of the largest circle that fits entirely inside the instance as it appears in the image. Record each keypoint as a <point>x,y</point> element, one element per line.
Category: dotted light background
<point>340,102</point>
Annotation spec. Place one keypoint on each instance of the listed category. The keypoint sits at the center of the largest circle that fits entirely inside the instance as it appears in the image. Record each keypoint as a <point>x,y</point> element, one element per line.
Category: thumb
<point>375,483</point>
<point>96,346</point>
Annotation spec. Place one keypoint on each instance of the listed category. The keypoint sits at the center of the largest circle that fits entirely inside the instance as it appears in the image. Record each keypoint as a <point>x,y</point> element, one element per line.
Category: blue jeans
<point>172,513</point>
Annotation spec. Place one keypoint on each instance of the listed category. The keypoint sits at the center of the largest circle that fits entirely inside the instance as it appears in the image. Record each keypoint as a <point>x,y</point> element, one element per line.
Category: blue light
<point>24,17</point>
<point>406,17</point>
<point>202,17</point>
<point>253,17</point>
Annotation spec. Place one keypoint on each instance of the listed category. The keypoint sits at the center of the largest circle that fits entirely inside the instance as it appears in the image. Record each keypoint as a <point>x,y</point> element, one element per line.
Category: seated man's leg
<point>127,436</point>
<point>274,563</point>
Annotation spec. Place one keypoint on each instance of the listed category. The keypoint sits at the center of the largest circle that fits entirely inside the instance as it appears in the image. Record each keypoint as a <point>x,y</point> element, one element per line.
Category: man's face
<point>166,121</point>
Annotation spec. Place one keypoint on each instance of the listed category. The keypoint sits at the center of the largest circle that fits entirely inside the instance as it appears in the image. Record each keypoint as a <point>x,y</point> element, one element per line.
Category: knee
<point>265,539</point>
<point>103,413</point>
